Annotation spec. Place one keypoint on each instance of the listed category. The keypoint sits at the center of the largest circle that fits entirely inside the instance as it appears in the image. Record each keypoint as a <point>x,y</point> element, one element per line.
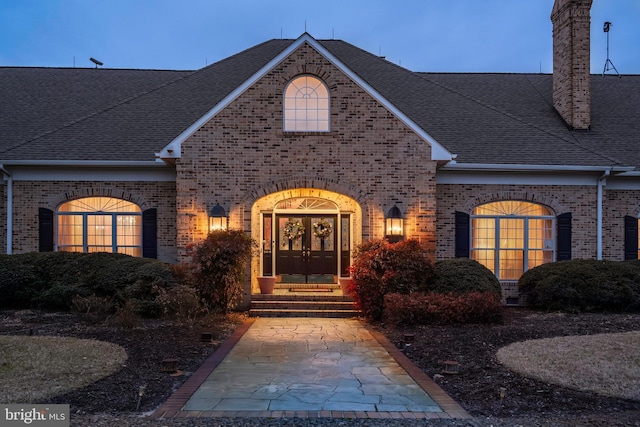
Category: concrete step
<point>302,305</point>
<point>335,297</point>
<point>303,313</point>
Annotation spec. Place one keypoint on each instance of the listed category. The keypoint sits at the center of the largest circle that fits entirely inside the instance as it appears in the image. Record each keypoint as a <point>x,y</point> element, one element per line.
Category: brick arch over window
<point>54,201</point>
<point>317,71</point>
<point>525,196</point>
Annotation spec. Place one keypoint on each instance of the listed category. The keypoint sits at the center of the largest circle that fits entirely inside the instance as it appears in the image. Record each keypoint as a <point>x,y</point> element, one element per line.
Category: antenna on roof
<point>608,65</point>
<point>95,61</point>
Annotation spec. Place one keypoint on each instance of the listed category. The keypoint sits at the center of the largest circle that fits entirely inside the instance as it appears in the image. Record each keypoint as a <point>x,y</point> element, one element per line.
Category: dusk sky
<point>422,35</point>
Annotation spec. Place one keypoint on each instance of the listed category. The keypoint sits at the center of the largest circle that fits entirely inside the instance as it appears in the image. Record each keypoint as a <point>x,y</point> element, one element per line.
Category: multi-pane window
<point>100,224</point>
<point>511,237</point>
<point>306,105</point>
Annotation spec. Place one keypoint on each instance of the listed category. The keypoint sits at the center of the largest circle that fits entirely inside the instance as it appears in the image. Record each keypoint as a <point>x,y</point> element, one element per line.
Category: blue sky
<point>422,35</point>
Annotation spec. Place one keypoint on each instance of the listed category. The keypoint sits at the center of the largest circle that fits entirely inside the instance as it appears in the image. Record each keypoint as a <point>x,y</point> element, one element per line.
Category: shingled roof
<point>115,115</point>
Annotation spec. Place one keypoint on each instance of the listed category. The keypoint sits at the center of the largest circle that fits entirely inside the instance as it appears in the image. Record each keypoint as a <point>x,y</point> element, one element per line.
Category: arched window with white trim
<point>100,224</point>
<point>306,105</point>
<point>510,237</point>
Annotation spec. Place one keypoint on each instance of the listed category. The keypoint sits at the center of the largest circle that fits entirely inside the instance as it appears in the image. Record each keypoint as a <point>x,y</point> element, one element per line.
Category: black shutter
<point>630,237</point>
<point>150,233</point>
<point>462,235</point>
<point>563,224</point>
<point>45,230</point>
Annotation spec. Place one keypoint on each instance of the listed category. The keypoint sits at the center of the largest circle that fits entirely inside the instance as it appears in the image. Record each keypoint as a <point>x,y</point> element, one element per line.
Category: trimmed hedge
<point>463,275</point>
<point>53,280</point>
<point>583,285</point>
<point>441,309</point>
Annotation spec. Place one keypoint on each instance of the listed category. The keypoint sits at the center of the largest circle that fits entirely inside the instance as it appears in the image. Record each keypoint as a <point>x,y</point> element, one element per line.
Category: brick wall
<point>28,196</point>
<point>243,154</point>
<point>579,200</point>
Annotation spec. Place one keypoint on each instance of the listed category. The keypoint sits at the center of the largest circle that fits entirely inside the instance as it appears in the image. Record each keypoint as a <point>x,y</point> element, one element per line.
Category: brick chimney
<point>571,61</point>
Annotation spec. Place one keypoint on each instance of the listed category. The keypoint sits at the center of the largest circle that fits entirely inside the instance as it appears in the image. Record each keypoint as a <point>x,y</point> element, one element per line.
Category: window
<point>306,105</point>
<point>511,237</point>
<point>100,224</point>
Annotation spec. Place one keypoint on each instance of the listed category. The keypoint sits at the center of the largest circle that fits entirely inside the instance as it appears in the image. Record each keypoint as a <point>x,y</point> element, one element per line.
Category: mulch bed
<point>488,390</point>
<point>483,387</point>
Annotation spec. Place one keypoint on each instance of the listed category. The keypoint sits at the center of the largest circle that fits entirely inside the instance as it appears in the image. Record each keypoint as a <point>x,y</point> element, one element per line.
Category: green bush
<point>583,285</point>
<point>435,308</point>
<point>217,266</point>
<point>380,268</point>
<point>463,275</point>
<point>53,280</point>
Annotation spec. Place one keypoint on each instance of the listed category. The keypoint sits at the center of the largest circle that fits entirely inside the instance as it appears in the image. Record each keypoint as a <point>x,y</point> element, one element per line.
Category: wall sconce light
<point>217,218</point>
<point>394,225</point>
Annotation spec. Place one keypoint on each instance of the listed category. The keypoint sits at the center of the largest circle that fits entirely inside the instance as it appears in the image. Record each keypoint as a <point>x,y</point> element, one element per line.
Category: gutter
<point>530,168</point>
<point>104,163</point>
<point>9,208</point>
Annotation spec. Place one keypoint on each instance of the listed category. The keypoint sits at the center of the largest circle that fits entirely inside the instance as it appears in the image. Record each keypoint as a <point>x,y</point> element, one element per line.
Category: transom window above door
<point>100,224</point>
<point>306,105</point>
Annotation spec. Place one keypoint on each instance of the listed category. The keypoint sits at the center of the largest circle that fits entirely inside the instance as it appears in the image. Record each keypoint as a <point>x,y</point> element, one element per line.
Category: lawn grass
<point>35,368</point>
<point>607,364</point>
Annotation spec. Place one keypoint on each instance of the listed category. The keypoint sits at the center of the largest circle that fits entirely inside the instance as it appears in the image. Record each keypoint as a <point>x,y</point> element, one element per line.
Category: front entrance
<point>307,248</point>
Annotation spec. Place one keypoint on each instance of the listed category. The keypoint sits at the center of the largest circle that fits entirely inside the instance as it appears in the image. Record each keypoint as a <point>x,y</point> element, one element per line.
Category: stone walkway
<point>310,367</point>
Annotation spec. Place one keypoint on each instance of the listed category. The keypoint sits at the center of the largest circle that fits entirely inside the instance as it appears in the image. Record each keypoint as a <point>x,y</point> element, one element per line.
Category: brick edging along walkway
<point>174,404</point>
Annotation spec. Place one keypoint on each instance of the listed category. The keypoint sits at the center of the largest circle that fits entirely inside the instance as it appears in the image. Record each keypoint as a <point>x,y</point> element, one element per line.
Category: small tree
<point>380,267</point>
<point>217,267</point>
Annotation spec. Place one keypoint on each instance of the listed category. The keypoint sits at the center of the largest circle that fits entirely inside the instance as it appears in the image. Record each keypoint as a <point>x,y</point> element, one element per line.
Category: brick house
<point>512,170</point>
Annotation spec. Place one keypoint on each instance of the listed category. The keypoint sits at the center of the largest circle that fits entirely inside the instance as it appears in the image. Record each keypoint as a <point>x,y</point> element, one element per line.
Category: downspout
<point>9,209</point>
<point>602,181</point>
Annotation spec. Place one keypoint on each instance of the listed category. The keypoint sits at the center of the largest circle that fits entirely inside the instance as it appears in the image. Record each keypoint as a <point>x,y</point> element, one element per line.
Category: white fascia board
<point>173,149</point>
<point>93,173</point>
<point>104,163</point>
<point>516,178</point>
<point>453,166</point>
<point>523,174</point>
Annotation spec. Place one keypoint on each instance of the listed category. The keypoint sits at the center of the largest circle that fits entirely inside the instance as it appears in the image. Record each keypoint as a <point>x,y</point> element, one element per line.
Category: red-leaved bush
<point>440,309</point>
<point>380,267</point>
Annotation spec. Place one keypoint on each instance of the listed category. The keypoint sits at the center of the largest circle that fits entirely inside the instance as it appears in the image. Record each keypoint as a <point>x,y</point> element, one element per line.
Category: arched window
<point>511,237</point>
<point>100,224</point>
<point>306,105</point>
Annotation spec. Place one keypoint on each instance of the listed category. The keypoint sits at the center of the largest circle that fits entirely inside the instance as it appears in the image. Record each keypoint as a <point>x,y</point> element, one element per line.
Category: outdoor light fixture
<point>394,225</point>
<point>217,218</point>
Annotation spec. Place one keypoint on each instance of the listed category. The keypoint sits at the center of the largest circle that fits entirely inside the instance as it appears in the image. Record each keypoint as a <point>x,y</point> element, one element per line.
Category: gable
<point>173,149</point>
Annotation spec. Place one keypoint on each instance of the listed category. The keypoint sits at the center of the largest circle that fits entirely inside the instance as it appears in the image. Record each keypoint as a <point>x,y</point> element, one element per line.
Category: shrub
<point>380,267</point>
<point>181,302</point>
<point>462,275</point>
<point>217,267</point>
<point>583,285</point>
<point>53,280</point>
<point>440,309</point>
